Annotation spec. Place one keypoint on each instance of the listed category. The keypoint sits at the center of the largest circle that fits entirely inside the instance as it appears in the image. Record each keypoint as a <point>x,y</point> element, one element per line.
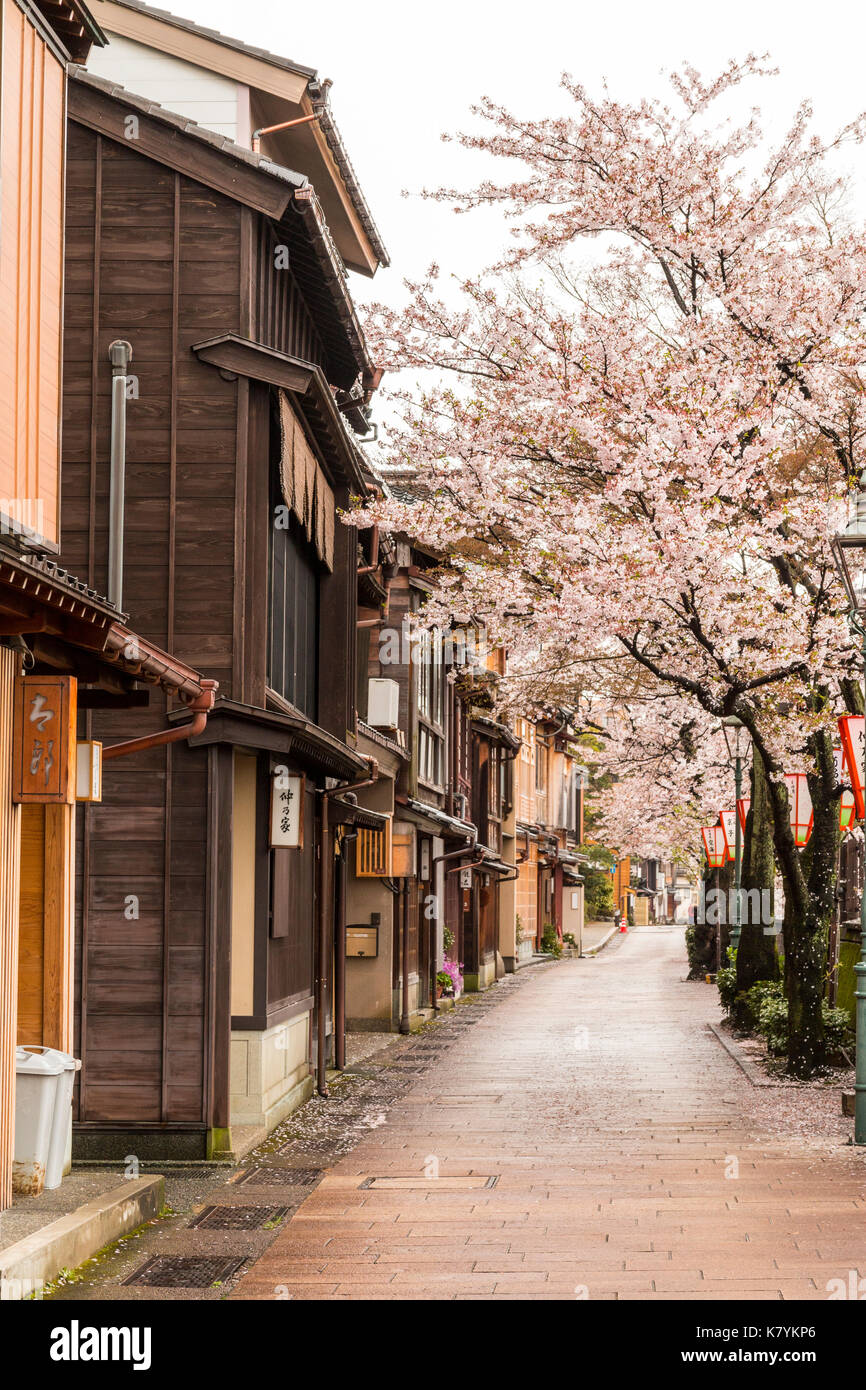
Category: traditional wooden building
<point>551,790</point>
<point>206,1006</point>
<point>65,649</point>
<point>451,801</point>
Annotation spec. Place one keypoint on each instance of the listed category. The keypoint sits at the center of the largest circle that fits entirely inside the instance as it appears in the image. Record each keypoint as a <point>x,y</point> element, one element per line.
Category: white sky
<point>403,73</point>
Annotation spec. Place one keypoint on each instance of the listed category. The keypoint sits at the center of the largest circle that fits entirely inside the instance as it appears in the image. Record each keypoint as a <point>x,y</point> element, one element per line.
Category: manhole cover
<point>277,1177</point>
<point>181,1272</point>
<point>469,1101</point>
<point>238,1218</point>
<point>458,1183</point>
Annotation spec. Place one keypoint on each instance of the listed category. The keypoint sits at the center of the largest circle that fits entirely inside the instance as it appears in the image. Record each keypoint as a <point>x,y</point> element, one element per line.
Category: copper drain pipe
<point>283,125</point>
<point>201,707</point>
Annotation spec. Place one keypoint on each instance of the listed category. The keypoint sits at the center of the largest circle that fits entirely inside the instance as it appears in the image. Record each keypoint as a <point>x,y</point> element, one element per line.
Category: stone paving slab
<point>630,1162</point>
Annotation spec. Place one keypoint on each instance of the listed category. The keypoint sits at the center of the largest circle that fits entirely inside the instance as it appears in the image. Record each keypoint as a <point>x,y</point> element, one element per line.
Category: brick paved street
<point>627,1162</point>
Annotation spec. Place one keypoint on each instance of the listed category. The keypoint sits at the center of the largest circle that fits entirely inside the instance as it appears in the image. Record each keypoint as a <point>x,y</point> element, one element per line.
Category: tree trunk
<point>757,957</point>
<point>808,911</point>
<point>702,955</point>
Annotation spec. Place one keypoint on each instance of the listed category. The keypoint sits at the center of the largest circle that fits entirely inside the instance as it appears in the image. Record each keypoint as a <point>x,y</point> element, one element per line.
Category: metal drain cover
<point>414,1181</point>
<point>237,1218</point>
<point>182,1272</point>
<point>277,1177</point>
<point>469,1102</point>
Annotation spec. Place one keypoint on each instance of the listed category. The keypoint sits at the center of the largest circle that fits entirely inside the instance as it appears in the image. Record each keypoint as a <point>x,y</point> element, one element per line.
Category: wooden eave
<point>371,593</point>
<point>242,357</point>
<point>229,352</point>
<point>318,268</point>
<point>69,627</point>
<point>493,731</point>
<point>249,726</point>
<point>36,599</point>
<point>343,813</point>
<point>74,26</point>
<point>168,142</point>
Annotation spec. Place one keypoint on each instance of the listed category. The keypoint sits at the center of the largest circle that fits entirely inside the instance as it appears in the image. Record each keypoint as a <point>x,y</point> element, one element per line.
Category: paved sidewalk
<point>594,933</point>
<point>626,1159</point>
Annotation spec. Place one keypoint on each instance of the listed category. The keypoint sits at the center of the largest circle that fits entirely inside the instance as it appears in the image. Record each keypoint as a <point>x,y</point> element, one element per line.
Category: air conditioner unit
<point>383,704</point>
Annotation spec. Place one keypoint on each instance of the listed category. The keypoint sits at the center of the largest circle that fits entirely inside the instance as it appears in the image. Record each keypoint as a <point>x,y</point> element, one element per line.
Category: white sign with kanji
<point>287,802</point>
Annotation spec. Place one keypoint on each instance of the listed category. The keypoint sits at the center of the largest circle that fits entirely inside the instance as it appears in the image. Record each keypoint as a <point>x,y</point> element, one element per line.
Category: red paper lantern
<point>852,730</point>
<point>727,820</point>
<point>743,810</point>
<point>847,804</point>
<point>799,807</point>
<point>714,845</point>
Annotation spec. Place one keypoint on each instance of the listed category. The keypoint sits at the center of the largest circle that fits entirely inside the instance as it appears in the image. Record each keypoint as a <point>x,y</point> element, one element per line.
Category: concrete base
<point>369,1025</point>
<point>29,1264</point>
<point>270,1073</point>
<point>148,1144</point>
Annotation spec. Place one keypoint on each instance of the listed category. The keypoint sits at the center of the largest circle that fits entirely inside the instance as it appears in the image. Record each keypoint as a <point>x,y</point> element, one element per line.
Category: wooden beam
<point>107,699</point>
<point>58,927</point>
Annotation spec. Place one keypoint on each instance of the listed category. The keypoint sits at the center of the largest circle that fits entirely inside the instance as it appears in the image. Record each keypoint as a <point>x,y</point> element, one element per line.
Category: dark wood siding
<point>152,257</point>
<point>281,318</point>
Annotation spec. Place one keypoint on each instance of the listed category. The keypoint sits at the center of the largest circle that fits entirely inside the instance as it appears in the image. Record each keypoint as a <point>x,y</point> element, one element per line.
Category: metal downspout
<point>120,356</point>
<point>469,848</point>
<point>405,1025</point>
<point>340,953</point>
<point>326,921</point>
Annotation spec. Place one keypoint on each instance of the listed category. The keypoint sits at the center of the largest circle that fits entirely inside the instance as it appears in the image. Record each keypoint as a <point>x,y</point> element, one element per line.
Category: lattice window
<point>373,853</point>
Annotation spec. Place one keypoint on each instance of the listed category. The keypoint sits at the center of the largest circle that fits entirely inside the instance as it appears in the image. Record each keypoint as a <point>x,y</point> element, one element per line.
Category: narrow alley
<point>530,1146</point>
<point>582,1151</point>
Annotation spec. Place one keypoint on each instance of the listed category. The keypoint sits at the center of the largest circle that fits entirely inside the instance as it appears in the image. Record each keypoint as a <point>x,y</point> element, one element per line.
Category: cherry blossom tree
<point>636,431</point>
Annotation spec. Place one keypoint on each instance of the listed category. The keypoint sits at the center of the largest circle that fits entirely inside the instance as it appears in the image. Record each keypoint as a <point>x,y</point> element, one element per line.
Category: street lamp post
<point>737,740</point>
<point>849,552</point>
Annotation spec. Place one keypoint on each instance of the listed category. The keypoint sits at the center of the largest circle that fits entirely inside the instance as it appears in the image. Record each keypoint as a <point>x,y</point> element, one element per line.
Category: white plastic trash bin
<point>61,1129</point>
<point>36,1085</point>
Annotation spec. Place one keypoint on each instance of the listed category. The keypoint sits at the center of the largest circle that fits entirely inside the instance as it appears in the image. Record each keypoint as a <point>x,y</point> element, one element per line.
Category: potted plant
<point>449,980</point>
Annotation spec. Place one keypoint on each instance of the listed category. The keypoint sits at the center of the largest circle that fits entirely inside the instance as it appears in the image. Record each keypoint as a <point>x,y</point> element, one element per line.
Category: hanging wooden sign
<point>43,740</point>
<point>852,729</point>
<point>287,808</point>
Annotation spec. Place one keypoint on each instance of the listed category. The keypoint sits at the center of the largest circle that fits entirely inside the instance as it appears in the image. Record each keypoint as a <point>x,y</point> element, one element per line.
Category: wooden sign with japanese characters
<point>43,745</point>
<point>287,809</point>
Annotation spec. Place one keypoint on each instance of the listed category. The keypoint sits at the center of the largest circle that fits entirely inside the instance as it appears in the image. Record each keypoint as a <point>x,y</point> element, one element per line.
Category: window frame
<point>430,709</point>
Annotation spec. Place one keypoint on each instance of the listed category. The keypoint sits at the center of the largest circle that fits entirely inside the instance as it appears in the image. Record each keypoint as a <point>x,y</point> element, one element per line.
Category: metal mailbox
<point>362,941</point>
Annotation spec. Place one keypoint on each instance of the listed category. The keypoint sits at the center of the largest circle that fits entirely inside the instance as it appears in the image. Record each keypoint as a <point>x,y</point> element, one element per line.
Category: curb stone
<point>746,1065</point>
<point>67,1242</point>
